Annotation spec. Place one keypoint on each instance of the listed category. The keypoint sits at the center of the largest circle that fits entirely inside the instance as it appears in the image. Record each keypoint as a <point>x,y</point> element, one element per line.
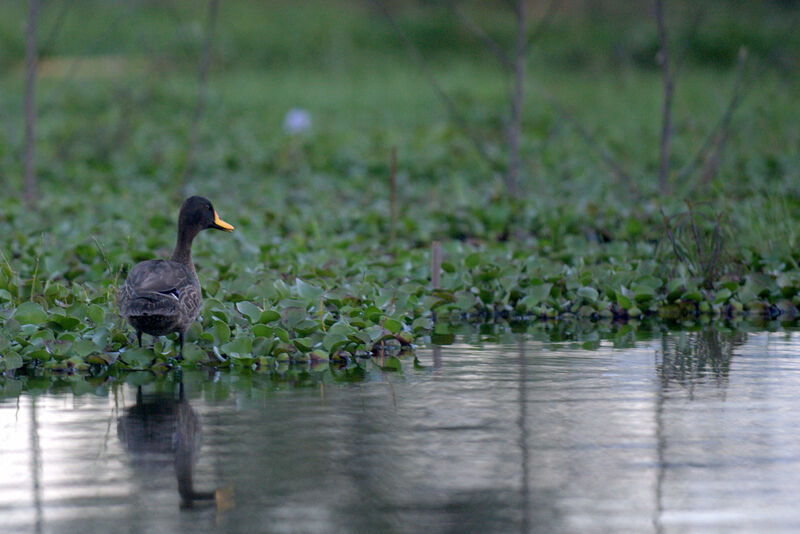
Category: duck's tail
<point>152,303</point>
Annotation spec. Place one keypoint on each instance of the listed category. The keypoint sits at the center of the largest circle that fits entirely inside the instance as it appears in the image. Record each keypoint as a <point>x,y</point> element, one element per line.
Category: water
<point>694,432</point>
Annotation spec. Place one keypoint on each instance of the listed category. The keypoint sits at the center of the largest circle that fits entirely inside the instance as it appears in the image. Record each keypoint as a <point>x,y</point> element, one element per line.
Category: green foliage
<point>316,271</point>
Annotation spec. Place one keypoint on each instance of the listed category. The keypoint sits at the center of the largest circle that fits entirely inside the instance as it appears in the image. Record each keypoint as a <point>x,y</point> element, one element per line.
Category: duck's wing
<point>159,276</point>
<point>160,287</point>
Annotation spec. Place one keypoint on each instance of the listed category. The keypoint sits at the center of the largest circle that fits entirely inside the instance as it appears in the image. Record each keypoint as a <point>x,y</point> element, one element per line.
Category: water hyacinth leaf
<point>282,334</point>
<point>334,340</point>
<point>624,302</point>
<point>308,292</point>
<point>222,332</point>
<point>693,295</point>
<point>30,313</point>
<point>340,327</point>
<point>138,357</point>
<point>306,327</point>
<point>96,314</point>
<point>642,292</point>
<point>84,347</point>
<point>193,354</point>
<point>588,293</point>
<point>263,346</point>
<point>238,348</point>
<point>269,316</point>
<point>651,281</point>
<point>11,360</point>
<point>249,310</point>
<point>303,344</point>
<point>392,363</point>
<point>472,260</point>
<point>64,322</point>
<point>392,325</point>
<point>674,289</point>
<point>536,294</point>
<point>261,330</point>
<point>101,358</point>
<point>373,314</point>
<point>722,296</point>
<point>422,323</point>
<point>293,315</point>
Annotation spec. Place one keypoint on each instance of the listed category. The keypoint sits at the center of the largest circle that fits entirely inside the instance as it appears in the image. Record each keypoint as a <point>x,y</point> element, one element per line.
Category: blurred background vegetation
<point>118,92</point>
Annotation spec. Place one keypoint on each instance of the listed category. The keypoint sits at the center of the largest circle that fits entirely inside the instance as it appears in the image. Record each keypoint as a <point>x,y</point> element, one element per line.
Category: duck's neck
<point>183,249</point>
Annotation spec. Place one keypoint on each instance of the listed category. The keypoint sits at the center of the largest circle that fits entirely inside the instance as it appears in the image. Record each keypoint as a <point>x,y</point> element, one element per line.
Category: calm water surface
<point>693,432</point>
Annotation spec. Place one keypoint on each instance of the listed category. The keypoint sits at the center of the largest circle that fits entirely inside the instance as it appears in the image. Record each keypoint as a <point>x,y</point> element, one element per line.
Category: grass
<point>313,274</point>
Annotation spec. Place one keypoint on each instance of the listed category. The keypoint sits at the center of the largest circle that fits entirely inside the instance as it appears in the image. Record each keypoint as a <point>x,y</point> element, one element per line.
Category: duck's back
<point>160,296</point>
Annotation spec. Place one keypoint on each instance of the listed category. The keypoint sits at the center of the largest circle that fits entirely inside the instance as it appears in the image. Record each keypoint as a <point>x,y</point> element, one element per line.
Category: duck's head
<point>197,214</point>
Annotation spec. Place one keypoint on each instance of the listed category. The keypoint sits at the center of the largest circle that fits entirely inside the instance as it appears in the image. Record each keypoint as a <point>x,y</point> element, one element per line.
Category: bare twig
<point>666,124</point>
<point>515,125</point>
<point>213,9</point>
<point>436,264</point>
<point>481,35</point>
<point>30,102</point>
<point>48,41</point>
<point>590,140</point>
<point>452,109</point>
<point>712,162</point>
<point>393,192</point>
<point>681,257</point>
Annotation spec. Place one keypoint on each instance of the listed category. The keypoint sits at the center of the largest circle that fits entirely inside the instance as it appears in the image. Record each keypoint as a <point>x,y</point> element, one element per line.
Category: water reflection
<point>691,358</point>
<point>680,432</point>
<point>163,430</point>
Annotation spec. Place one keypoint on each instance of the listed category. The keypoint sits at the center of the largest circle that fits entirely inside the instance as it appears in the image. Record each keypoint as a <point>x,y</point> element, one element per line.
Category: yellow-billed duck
<point>163,296</point>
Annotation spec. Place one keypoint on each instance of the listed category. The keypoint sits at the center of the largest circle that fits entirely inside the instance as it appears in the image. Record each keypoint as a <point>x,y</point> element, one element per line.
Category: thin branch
<point>47,42</point>
<point>591,140</point>
<point>393,192</point>
<point>720,131</point>
<point>482,36</point>
<point>30,103</point>
<point>452,109</point>
<point>712,163</point>
<point>213,9</point>
<point>681,257</point>
<point>666,125</point>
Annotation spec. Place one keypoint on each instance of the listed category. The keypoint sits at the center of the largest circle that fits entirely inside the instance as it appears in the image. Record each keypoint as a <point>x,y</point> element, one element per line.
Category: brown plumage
<point>163,296</point>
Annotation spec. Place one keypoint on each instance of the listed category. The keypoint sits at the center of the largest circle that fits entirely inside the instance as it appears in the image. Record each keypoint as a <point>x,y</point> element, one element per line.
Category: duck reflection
<point>160,430</point>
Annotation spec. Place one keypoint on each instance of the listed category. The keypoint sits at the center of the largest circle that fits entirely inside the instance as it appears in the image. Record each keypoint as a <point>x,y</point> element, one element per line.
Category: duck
<point>160,297</point>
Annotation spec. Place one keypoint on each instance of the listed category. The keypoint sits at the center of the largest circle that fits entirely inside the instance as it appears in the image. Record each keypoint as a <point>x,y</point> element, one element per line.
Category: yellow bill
<point>222,225</point>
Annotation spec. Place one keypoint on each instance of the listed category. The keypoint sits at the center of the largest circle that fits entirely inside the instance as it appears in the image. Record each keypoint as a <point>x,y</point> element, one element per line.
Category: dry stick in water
<point>393,192</point>
<point>436,264</point>
<point>30,103</point>
<point>666,125</point>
